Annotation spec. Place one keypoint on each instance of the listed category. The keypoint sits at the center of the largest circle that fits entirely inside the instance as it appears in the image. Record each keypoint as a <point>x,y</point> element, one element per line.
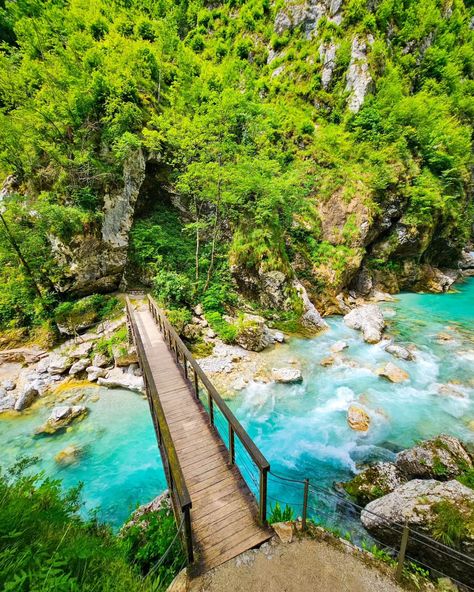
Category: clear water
<point>120,465</point>
<point>302,429</point>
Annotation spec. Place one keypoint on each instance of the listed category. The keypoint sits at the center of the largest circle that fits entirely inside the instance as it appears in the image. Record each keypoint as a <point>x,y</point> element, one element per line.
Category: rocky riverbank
<point>428,487</point>
<point>101,356</point>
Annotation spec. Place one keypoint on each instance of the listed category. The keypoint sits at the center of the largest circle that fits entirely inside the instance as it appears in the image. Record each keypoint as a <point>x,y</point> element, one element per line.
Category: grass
<point>46,545</point>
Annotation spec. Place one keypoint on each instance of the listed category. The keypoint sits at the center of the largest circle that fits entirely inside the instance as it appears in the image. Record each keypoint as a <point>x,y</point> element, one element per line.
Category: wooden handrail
<point>165,439</point>
<point>248,443</point>
<point>235,428</point>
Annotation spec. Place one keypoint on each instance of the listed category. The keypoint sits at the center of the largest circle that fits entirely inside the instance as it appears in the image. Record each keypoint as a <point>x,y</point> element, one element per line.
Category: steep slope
<point>326,141</point>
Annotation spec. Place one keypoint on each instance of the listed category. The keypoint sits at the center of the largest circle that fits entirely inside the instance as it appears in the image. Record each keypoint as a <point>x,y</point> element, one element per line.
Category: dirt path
<point>301,566</point>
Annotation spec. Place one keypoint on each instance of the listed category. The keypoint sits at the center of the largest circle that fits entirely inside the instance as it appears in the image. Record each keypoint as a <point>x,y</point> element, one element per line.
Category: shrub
<point>179,317</point>
<point>172,288</point>
<point>85,312</point>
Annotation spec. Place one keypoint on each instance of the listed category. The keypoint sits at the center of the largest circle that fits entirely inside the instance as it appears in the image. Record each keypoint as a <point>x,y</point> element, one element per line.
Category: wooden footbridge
<point>218,514</point>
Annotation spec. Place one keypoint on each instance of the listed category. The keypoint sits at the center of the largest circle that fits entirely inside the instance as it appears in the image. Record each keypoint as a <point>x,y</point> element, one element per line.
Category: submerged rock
<point>69,455</point>
<point>443,457</point>
<point>287,375</point>
<point>375,481</point>
<point>327,361</point>
<point>449,390</point>
<point>358,419</point>
<point>368,319</point>
<point>393,373</point>
<point>61,417</point>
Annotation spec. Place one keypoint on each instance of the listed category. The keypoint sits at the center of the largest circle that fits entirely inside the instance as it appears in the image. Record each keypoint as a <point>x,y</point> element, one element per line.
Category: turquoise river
<point>302,429</point>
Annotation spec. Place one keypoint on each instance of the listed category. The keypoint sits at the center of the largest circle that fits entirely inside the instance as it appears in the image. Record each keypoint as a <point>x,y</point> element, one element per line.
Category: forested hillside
<point>231,152</point>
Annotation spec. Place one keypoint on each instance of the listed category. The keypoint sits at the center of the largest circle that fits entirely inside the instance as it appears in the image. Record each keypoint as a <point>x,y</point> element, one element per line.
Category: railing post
<point>305,504</point>
<point>211,408</point>
<point>185,366</point>
<point>263,495</point>
<point>188,535</point>
<point>401,555</point>
<point>196,383</point>
<point>231,445</point>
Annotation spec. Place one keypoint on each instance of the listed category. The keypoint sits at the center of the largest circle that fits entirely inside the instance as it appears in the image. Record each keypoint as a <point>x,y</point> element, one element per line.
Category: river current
<point>302,429</point>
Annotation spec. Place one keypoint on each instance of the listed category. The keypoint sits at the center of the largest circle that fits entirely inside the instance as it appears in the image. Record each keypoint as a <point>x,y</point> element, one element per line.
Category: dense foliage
<point>45,545</point>
<point>245,132</point>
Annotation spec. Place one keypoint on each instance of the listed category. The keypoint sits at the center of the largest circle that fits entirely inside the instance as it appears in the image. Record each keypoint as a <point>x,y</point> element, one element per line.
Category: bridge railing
<point>194,373</point>
<point>181,500</point>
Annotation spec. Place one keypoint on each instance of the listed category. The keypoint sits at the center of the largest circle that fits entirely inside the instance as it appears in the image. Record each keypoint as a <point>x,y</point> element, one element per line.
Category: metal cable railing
<point>400,541</point>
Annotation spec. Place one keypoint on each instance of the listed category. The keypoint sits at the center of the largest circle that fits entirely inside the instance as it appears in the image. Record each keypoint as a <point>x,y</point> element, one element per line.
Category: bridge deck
<point>223,515</point>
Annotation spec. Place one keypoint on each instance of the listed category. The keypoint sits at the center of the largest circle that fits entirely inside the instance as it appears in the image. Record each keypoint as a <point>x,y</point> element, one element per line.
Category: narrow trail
<point>301,566</point>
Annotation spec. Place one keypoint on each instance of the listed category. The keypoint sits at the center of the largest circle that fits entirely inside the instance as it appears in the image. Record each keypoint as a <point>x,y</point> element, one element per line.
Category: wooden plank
<point>210,561</point>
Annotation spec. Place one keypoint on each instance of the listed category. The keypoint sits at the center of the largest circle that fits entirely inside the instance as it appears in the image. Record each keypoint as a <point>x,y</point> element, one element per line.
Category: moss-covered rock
<point>442,458</point>
<point>374,482</point>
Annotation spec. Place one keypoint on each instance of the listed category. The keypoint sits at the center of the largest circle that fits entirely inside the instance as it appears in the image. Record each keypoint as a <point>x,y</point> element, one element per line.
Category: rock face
<point>95,263</point>
<point>306,14</point>
<point>61,417</point>
<point>311,318</point>
<point>287,375</point>
<point>358,419</point>
<point>443,457</point>
<point>377,480</point>
<point>368,319</point>
<point>327,55</point>
<point>358,78</point>
<point>393,373</point>
<point>424,505</point>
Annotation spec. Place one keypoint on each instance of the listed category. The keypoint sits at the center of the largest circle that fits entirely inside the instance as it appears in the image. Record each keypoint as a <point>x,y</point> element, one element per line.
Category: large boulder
<point>61,417</point>
<point>27,396</point>
<point>252,334</point>
<point>368,319</point>
<point>287,375</point>
<point>440,510</point>
<point>443,458</point>
<point>118,378</point>
<point>59,364</point>
<point>95,372</point>
<point>79,366</point>
<point>373,482</point>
